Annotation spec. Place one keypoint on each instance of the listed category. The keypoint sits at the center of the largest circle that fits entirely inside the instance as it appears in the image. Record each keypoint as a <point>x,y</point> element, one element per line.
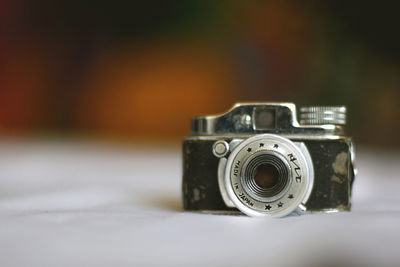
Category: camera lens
<point>268,175</point>
<point>265,175</point>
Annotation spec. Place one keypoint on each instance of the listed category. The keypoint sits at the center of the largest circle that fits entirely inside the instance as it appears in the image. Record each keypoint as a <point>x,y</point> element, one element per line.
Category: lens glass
<point>266,176</point>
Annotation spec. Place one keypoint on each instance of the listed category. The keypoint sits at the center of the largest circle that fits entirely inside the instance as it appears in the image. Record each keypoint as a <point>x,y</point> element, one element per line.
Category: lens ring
<point>251,202</point>
<point>249,183</point>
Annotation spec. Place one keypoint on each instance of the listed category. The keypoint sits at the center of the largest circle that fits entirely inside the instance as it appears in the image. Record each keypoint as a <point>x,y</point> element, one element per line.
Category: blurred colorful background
<point>141,71</point>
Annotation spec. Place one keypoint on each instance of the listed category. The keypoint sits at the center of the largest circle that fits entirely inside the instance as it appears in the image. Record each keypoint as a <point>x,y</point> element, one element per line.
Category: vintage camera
<point>258,159</point>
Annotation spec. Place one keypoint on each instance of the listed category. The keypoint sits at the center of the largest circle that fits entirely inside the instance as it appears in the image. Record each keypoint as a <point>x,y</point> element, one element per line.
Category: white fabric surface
<point>87,204</point>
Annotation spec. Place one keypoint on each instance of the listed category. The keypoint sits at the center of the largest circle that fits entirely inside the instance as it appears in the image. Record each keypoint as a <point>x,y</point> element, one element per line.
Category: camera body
<point>258,159</point>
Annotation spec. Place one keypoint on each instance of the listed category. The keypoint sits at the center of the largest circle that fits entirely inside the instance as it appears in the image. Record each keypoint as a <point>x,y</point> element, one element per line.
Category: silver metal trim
<point>307,171</point>
<point>240,119</point>
<point>331,115</point>
<point>310,164</point>
<point>221,183</point>
<point>223,153</point>
<point>288,136</point>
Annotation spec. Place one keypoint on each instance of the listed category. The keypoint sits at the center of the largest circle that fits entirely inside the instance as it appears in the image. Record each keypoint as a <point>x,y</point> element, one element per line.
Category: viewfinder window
<point>264,118</point>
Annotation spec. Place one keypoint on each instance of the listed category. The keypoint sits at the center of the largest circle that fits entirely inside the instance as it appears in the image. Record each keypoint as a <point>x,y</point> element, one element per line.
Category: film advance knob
<point>323,115</point>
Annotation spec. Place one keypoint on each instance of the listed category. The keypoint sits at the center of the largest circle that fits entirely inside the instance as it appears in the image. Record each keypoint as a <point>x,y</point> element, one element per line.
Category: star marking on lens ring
<point>290,196</point>
<point>280,204</point>
<point>261,144</point>
<point>276,146</point>
<point>268,207</point>
<point>249,149</point>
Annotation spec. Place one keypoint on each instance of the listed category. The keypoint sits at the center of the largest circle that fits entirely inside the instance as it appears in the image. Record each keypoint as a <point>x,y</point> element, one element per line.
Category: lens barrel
<point>268,175</point>
<point>265,175</point>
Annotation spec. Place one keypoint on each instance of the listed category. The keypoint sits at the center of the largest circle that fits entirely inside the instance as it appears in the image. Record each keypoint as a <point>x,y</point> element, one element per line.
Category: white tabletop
<point>87,204</point>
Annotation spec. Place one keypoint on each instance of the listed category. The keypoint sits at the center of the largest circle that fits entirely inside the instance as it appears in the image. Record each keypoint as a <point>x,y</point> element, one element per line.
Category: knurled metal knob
<point>323,115</point>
